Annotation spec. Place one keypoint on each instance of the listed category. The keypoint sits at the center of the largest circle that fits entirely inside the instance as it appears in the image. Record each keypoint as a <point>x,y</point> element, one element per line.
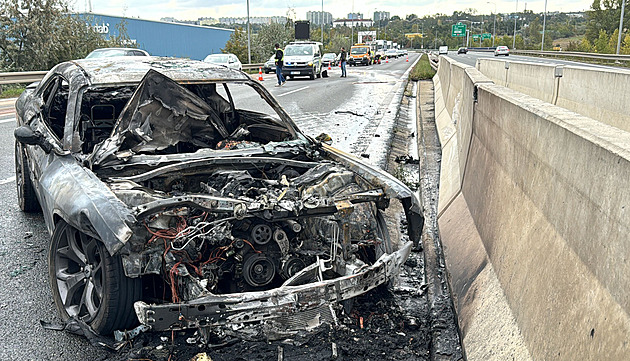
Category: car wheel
<point>27,199</point>
<point>89,284</point>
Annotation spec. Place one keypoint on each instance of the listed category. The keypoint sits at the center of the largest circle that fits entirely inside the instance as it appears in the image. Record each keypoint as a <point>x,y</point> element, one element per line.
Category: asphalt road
<point>348,109</point>
<point>471,59</point>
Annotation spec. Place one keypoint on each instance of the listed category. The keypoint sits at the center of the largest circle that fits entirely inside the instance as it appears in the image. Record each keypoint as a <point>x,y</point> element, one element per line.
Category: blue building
<point>164,38</point>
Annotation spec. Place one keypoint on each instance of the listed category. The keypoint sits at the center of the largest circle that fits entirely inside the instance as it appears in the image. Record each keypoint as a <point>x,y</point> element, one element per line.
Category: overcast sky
<point>193,9</point>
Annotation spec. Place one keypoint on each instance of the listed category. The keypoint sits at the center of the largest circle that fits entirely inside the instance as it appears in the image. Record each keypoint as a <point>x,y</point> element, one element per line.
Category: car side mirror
<point>324,138</point>
<point>26,135</point>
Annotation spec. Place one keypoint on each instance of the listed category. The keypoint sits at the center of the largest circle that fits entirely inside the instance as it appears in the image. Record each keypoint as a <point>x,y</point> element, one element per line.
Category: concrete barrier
<point>598,93</point>
<point>601,94</point>
<point>536,239</point>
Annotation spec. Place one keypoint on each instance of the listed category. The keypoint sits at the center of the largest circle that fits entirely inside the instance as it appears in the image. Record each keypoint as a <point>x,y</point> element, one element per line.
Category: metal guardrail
<point>21,77</point>
<point>574,54</point>
<point>252,66</point>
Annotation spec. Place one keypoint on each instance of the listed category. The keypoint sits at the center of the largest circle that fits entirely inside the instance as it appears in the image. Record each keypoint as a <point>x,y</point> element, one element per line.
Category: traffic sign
<point>476,37</point>
<point>458,29</point>
<point>486,36</point>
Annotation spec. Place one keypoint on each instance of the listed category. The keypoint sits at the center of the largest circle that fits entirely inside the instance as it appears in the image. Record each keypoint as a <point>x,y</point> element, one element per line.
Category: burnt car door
<point>43,113</point>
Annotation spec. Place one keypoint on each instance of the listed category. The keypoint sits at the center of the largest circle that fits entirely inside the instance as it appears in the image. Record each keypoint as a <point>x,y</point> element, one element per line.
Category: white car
<point>228,60</point>
<point>109,52</point>
<point>502,50</point>
<point>443,50</point>
<point>391,53</point>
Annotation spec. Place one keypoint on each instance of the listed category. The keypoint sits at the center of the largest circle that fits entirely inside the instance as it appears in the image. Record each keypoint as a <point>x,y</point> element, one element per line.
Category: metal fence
<point>573,54</point>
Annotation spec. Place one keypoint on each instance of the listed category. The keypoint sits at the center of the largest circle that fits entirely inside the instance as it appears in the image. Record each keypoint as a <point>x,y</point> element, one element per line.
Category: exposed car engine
<point>283,219</point>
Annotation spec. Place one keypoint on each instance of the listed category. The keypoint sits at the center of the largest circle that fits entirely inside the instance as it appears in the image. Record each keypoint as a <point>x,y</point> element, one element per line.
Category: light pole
<point>514,35</point>
<point>623,8</point>
<point>542,46</point>
<point>352,26</point>
<point>322,20</point>
<point>249,49</point>
<point>494,27</point>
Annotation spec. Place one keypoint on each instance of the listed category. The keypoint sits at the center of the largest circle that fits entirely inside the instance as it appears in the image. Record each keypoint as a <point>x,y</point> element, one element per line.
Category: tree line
<point>596,30</point>
<point>38,34</point>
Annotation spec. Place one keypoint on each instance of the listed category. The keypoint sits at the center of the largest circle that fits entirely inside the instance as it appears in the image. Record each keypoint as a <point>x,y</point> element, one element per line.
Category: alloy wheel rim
<point>79,274</point>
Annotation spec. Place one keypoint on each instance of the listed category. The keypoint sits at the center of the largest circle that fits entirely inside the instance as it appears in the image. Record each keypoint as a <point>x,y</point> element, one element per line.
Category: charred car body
<point>172,198</point>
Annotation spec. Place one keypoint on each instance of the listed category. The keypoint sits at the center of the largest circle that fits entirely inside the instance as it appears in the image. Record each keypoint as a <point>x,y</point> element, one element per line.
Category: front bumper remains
<point>285,304</point>
<point>298,70</point>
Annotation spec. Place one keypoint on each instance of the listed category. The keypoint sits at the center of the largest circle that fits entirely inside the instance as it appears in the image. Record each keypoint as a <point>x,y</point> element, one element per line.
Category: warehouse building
<point>162,38</point>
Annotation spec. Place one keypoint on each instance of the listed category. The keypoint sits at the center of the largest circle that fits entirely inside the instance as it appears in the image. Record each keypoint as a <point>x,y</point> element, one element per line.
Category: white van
<point>443,50</point>
<point>303,58</point>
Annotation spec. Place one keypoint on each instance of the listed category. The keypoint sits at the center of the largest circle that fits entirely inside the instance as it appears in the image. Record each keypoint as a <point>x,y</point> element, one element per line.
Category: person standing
<point>279,63</point>
<point>343,58</point>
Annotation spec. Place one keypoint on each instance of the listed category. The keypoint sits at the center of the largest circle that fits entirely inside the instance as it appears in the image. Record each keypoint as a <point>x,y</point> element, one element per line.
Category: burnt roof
<point>117,70</point>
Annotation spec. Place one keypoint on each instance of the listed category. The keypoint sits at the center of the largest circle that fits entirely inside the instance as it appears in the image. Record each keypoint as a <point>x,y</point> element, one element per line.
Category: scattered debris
<point>349,112</point>
<point>120,336</point>
<point>406,159</point>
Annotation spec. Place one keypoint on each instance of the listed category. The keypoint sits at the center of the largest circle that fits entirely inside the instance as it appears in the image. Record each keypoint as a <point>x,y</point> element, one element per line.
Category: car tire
<point>91,282</point>
<point>27,199</point>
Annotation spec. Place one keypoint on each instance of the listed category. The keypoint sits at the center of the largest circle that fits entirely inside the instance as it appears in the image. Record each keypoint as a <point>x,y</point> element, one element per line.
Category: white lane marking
<point>8,180</point>
<point>292,91</point>
<point>9,120</point>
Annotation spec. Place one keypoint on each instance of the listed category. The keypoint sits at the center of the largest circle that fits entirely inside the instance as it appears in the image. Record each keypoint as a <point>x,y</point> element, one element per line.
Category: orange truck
<point>360,54</point>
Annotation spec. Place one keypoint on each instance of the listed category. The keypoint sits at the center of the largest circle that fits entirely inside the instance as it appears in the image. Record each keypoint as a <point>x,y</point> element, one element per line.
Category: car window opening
<point>163,117</point>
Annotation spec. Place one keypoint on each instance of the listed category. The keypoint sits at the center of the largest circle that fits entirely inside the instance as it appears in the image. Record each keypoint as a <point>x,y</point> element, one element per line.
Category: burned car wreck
<point>179,194</point>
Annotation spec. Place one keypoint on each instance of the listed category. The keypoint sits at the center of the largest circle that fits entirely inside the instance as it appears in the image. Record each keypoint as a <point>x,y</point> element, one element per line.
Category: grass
<point>422,70</point>
<point>11,92</point>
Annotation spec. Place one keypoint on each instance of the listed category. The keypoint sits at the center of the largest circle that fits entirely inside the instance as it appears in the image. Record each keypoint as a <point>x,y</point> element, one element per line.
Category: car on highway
<point>462,50</point>
<point>329,59</point>
<point>502,50</point>
<point>391,53</point>
<point>228,60</point>
<point>303,58</point>
<point>109,52</point>
<point>443,50</point>
<point>270,65</point>
<point>179,194</point>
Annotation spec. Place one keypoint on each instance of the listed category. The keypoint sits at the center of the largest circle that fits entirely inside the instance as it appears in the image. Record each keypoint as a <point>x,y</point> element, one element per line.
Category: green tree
<point>601,44</point>
<point>625,47</point>
<point>38,34</point>
<point>237,44</point>
<point>262,47</point>
<point>604,15</point>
